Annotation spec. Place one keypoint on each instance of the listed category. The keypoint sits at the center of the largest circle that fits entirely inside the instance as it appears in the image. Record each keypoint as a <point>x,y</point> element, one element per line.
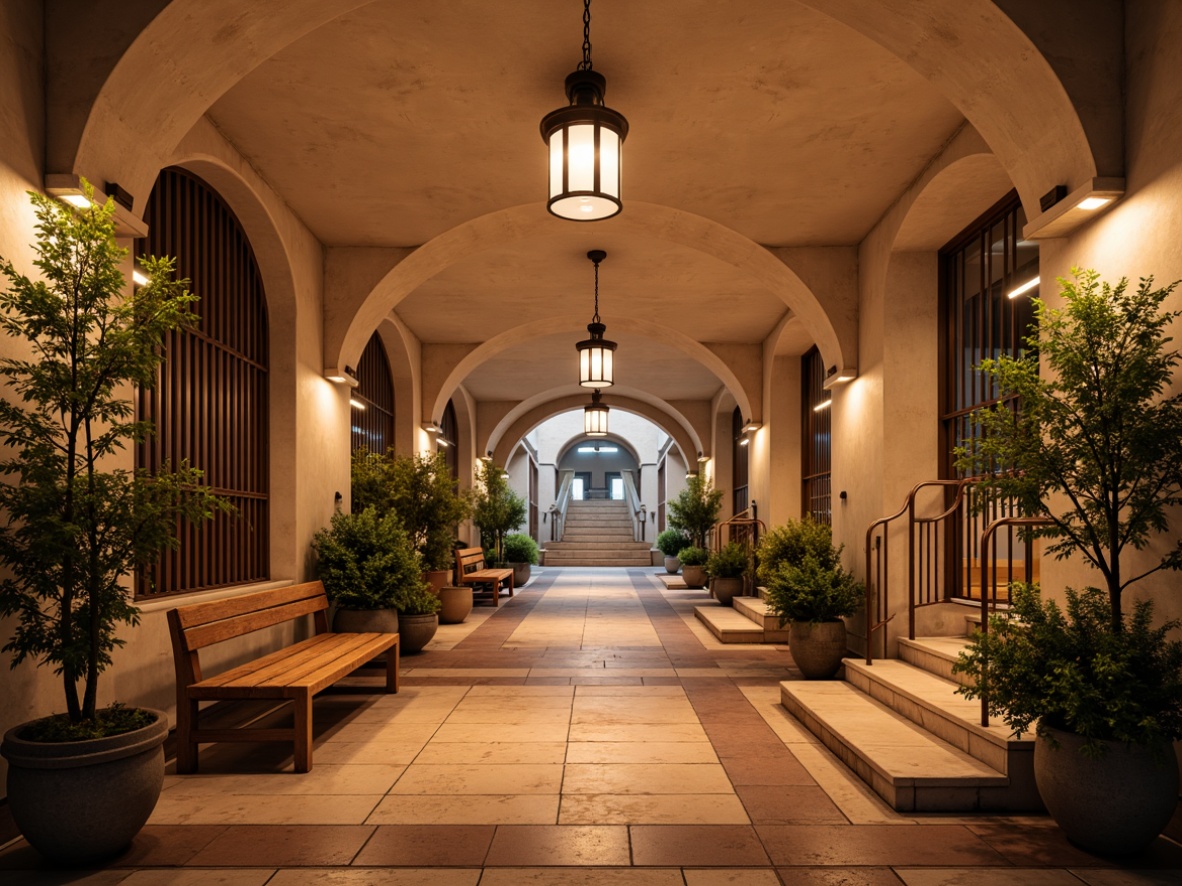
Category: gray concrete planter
<point>520,574</point>
<point>1116,805</point>
<point>365,621</point>
<point>82,801</point>
<point>817,647</point>
<point>726,589</point>
<point>416,631</point>
<point>694,576</point>
<point>672,564</point>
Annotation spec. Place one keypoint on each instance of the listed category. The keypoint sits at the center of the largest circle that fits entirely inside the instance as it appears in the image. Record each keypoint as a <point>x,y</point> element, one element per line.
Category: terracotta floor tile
<point>731,877</point>
<point>455,778</point>
<point>427,845</point>
<point>645,778</point>
<point>200,877</point>
<point>530,845</point>
<point>175,807</point>
<point>640,752</point>
<point>581,877</point>
<point>985,877</point>
<point>943,845</point>
<point>395,753</point>
<point>377,877</point>
<point>838,877</point>
<point>164,845</point>
<point>697,846</point>
<point>1101,877</point>
<point>779,769</point>
<point>283,846</point>
<point>652,809</point>
<point>467,809</point>
<point>789,804</point>
<point>1044,844</point>
<point>492,753</point>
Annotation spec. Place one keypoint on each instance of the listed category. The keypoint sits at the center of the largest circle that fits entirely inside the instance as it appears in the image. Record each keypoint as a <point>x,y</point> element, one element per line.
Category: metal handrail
<point>749,530</point>
<point>632,497</point>
<point>988,588</point>
<point>558,510</point>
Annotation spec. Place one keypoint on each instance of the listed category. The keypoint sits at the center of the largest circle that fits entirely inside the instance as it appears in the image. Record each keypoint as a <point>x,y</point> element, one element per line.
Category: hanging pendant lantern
<point>585,144</point>
<point>595,417</point>
<point>596,354</point>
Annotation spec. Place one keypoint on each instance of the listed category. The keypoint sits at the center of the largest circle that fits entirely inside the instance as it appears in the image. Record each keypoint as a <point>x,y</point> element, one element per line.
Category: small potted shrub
<point>726,569</point>
<point>695,510</point>
<point>521,552</point>
<point>808,588</point>
<point>693,566</point>
<point>670,543</point>
<point>498,509</point>
<point>368,566</point>
<point>418,618</point>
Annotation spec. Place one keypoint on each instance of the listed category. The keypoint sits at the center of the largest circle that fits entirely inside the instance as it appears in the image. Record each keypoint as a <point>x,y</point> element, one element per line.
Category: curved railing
<point>745,528</point>
<point>635,507</point>
<point>561,500</point>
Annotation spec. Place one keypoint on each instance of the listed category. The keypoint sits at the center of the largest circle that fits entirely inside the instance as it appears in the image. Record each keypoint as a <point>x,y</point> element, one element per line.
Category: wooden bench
<point>295,672</point>
<point>470,570</point>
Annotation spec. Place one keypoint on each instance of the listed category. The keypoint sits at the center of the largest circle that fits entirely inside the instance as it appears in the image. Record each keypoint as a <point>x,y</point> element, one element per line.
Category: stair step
<point>759,612</point>
<point>931,702</point>
<point>935,655</point>
<point>909,768</point>
<point>727,625</point>
<point>613,564</point>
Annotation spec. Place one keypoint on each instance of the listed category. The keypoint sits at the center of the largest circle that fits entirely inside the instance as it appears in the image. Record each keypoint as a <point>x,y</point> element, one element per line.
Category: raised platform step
<point>731,625</point>
<point>756,609</point>
<point>932,702</point>
<point>612,544</point>
<point>935,655</point>
<point>618,535</point>
<point>909,768</point>
<point>606,564</point>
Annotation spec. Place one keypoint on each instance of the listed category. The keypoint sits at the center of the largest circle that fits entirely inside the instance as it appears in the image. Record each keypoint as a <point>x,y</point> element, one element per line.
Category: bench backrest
<point>469,560</point>
<point>202,624</point>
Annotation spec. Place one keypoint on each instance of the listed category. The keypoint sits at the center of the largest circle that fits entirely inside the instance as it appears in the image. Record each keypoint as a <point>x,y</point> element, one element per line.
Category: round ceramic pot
<point>416,632</point>
<point>672,564</point>
<point>457,604</point>
<point>726,589</point>
<point>520,574</point>
<point>694,576</point>
<point>437,578</point>
<point>817,647</point>
<point>82,801</point>
<point>1114,805</point>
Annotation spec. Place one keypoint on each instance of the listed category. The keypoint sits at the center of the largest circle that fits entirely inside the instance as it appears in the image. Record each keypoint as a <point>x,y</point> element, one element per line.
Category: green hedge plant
<point>801,569</point>
<point>367,562</point>
<point>521,548</point>
<point>670,542</point>
<point>693,556</point>
<point>729,562</point>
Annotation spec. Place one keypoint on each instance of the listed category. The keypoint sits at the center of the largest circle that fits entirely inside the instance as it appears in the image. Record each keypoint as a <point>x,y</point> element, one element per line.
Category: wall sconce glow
<point>69,189</point>
<point>744,440</point>
<point>357,404</point>
<point>823,405</point>
<point>752,426</point>
<point>78,200</point>
<point>689,475</point>
<point>431,427</point>
<point>339,376</point>
<point>139,278</point>
<point>1024,288</point>
<point>1091,203</point>
<point>443,441</point>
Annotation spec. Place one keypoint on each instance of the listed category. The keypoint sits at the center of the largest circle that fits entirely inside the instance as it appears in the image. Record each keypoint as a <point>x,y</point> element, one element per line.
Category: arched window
<point>739,462</point>
<point>816,439</point>
<point>372,401</point>
<point>449,431</point>
<point>209,403</point>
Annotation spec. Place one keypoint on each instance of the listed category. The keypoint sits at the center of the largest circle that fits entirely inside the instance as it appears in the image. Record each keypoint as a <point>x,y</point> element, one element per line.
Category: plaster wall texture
<point>775,451</point>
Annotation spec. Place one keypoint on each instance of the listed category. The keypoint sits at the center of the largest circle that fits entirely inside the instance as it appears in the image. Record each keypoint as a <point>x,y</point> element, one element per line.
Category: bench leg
<point>186,749</point>
<point>303,732</point>
<point>392,656</point>
<point>510,586</point>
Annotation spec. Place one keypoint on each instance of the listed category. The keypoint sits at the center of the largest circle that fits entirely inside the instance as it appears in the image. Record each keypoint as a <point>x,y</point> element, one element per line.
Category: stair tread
<point>727,625</point>
<point>947,648</point>
<point>893,746</point>
<point>936,694</point>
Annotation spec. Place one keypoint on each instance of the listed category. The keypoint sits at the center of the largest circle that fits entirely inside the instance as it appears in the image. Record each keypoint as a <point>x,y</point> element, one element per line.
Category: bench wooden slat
<point>279,658</point>
<point>304,659</point>
<point>470,570</point>
<point>196,614</point>
<point>228,628</point>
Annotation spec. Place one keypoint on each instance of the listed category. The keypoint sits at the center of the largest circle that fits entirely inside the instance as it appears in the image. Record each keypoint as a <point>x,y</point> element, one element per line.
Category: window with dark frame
<point>372,401</point>
<point>815,439</point>
<point>978,271</point>
<point>210,402</point>
<point>449,431</point>
<point>739,464</point>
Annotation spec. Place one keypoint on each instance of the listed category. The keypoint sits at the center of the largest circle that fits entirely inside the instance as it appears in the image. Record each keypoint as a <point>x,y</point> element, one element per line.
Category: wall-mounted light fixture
<point>70,189</point>
<point>752,426</point>
<point>339,376</point>
<point>1068,212</point>
<point>585,144</point>
<point>357,404</point>
<point>1023,289</point>
<point>595,417</point>
<point>596,354</point>
<point>823,405</point>
<point>744,438</point>
<point>833,377</point>
<point>431,427</point>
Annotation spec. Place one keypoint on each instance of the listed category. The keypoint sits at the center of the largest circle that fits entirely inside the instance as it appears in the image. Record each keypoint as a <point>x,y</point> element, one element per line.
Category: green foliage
<point>792,543</point>
<point>367,561</point>
<point>73,531</point>
<point>418,599</point>
<point>521,548</point>
<point>693,556</point>
<point>695,510</point>
<point>114,720</point>
<point>1040,667</point>
<point>498,508</point>
<point>813,591</point>
<point>1094,446</point>
<point>671,541</point>
<point>730,562</point>
<point>420,491</point>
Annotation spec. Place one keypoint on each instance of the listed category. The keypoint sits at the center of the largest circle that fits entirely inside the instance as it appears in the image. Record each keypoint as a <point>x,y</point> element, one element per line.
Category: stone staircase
<point>900,725</point>
<point>598,533</point>
<point>747,620</point>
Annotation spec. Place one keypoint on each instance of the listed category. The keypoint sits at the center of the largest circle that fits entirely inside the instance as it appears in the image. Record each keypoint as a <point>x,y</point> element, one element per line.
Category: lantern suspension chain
<point>585,64</point>
<point>595,319</point>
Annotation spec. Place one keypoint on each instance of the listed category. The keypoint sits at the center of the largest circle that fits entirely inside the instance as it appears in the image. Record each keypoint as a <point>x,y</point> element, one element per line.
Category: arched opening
<point>372,401</point>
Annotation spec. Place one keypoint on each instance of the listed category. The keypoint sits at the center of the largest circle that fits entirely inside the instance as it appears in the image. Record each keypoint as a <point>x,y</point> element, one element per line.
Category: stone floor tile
<point>470,732</point>
<point>561,845</point>
<point>263,809</point>
<point>494,753</point>
<point>652,809</point>
<point>640,752</point>
<point>167,845</point>
<point>283,846</point>
<point>521,691</point>
<point>377,877</point>
<point>395,753</point>
<point>839,877</point>
<point>426,846</point>
<point>324,779</point>
<point>200,877</point>
<point>455,778</point>
<point>697,846</point>
<point>647,690</point>
<point>581,877</point>
<point>943,845</point>
<point>731,877</point>
<point>467,809</point>
<point>635,732</point>
<point>789,804</point>
<point>1130,878</point>
<point>775,769</point>
<point>645,778</point>
<point>1035,844</point>
<point>985,877</point>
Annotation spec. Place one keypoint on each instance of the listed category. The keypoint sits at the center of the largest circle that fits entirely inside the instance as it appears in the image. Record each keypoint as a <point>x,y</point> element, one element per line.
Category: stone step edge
<point>726,634</point>
<point>888,785</point>
<point>914,651</point>
<point>756,609</point>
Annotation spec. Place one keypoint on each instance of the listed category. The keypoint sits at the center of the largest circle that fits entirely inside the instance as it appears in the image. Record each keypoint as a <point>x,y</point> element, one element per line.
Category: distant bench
<point>470,570</point>
<point>295,672</point>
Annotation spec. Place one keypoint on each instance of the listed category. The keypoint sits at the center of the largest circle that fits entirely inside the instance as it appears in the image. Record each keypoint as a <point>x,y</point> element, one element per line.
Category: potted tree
<point>693,566</point>
<point>521,552</point>
<point>368,566</point>
<point>695,510</point>
<point>420,491</point>
<point>75,525</point>
<point>809,589</point>
<point>726,569</point>
<point>499,510</point>
<point>670,543</point>
<point>1092,450</point>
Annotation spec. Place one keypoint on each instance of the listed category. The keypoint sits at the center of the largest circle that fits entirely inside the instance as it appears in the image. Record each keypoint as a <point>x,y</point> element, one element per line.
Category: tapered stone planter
<point>694,576</point>
<point>1114,805</point>
<point>457,604</point>
<point>437,578</point>
<point>726,589</point>
<point>817,647</point>
<point>520,574</point>
<point>82,801</point>
<point>416,631</point>
<point>672,564</point>
<point>365,621</point>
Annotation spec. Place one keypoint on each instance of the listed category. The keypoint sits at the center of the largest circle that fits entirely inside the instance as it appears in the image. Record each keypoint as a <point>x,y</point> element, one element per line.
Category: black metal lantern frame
<point>595,417</point>
<point>596,354</point>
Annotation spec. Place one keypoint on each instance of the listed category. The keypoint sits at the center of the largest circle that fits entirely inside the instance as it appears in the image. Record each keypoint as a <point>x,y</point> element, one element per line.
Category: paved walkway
<point>590,731</point>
